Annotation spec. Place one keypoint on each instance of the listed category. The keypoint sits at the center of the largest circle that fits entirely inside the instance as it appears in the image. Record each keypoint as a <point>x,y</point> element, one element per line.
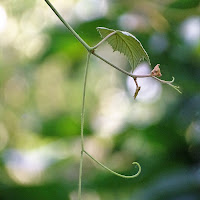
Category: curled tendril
<point>113,172</point>
<point>173,79</point>
<point>168,83</point>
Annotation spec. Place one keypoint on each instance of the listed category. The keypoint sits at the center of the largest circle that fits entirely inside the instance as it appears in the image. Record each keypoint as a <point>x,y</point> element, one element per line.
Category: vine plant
<point>131,47</point>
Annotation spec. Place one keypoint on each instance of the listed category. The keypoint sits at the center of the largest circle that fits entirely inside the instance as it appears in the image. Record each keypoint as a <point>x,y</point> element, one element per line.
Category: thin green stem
<point>91,49</point>
<point>120,69</point>
<point>69,27</point>
<point>109,63</point>
<point>138,76</point>
<point>80,176</point>
<point>104,39</point>
<point>113,172</point>
<point>83,100</point>
<point>82,125</point>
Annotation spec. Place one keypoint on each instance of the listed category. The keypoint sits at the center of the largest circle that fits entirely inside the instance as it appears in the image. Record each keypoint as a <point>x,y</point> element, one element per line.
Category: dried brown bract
<point>156,71</point>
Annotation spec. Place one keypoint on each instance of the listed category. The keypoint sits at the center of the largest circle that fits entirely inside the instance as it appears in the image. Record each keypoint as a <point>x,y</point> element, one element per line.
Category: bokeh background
<point>41,82</point>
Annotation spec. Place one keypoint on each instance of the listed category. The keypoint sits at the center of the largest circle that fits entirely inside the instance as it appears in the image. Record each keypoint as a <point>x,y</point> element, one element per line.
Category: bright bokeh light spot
<point>142,115</point>
<point>150,89</point>
<point>112,112</point>
<point>12,31</point>
<point>190,30</point>
<point>36,46</point>
<point>100,148</point>
<point>26,167</point>
<point>91,9</point>
<point>3,19</point>
<point>133,22</point>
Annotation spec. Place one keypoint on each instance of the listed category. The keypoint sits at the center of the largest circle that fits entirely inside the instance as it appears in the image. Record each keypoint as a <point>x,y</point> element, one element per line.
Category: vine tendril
<point>82,126</point>
<point>113,172</point>
<point>168,83</point>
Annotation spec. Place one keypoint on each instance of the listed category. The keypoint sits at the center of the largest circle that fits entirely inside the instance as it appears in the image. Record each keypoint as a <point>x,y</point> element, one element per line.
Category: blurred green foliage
<point>41,77</point>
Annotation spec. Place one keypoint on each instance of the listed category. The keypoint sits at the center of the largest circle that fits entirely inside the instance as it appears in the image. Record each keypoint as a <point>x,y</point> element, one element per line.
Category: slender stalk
<point>104,39</point>
<point>80,176</point>
<point>120,69</point>
<point>113,172</point>
<point>69,27</point>
<point>91,49</point>
<point>83,100</point>
<point>82,125</point>
<point>138,76</point>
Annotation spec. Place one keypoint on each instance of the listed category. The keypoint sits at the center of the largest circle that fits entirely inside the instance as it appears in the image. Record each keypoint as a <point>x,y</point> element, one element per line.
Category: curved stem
<point>104,39</point>
<point>91,49</point>
<point>82,125</point>
<point>113,172</point>
<point>138,76</point>
<point>109,63</point>
<point>69,27</point>
<point>120,69</point>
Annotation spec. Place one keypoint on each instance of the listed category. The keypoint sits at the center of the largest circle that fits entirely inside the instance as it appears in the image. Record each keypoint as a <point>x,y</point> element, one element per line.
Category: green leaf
<point>127,44</point>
